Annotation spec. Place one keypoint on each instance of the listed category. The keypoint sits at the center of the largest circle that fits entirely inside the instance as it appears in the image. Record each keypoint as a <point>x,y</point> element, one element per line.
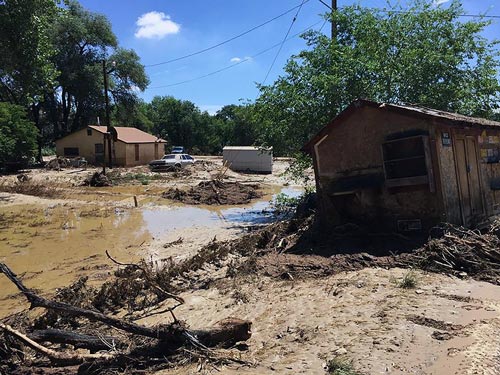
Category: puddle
<point>160,220</point>
<point>52,246</point>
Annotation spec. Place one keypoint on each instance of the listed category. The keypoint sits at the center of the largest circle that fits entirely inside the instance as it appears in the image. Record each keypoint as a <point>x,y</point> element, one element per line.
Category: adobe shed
<point>406,167</point>
<point>131,146</point>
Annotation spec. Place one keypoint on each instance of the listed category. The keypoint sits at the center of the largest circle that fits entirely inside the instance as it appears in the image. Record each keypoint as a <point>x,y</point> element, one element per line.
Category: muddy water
<point>50,246</point>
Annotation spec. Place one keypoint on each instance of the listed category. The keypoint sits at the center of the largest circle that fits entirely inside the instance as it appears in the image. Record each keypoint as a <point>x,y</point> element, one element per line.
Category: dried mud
<point>215,192</point>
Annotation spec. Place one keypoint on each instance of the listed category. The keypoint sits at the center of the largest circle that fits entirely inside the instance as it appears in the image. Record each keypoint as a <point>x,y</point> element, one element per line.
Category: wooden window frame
<point>424,179</point>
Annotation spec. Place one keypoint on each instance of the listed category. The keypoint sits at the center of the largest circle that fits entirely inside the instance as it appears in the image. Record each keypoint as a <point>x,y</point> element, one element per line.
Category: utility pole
<point>107,135</point>
<point>334,24</point>
<point>333,8</point>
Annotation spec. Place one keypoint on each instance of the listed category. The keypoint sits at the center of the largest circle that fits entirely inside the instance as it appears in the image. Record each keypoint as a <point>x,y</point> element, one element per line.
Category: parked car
<point>177,150</point>
<point>172,161</point>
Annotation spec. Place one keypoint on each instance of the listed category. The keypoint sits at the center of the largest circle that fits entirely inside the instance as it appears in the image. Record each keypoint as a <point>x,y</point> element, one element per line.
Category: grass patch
<point>340,366</point>
<point>409,280</point>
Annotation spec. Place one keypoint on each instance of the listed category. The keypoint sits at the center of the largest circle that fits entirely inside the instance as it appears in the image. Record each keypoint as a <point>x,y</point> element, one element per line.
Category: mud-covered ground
<point>306,309</point>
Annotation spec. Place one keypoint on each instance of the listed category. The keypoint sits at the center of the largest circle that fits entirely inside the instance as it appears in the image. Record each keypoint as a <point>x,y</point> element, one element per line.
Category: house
<point>248,158</point>
<point>406,167</point>
<point>130,146</point>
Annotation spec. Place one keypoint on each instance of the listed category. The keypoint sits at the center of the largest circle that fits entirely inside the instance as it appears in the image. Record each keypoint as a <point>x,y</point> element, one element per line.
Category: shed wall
<point>353,149</point>
<point>489,169</point>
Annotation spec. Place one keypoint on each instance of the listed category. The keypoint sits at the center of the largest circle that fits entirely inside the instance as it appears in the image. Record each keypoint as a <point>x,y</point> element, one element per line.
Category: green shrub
<point>409,280</point>
<point>340,366</point>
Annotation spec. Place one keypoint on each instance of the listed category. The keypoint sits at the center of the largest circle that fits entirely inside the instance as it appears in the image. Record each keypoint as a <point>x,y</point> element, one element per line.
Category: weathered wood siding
<point>354,148</point>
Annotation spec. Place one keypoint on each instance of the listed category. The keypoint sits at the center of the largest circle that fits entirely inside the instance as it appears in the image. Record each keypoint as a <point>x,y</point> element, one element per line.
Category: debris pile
<point>28,186</point>
<point>461,252</point>
<point>57,163</point>
<point>98,179</point>
<point>78,337</point>
<point>215,192</point>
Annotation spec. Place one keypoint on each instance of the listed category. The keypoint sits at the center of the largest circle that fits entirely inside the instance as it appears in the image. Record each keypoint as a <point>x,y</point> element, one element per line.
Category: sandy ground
<point>444,326</point>
<point>364,316</point>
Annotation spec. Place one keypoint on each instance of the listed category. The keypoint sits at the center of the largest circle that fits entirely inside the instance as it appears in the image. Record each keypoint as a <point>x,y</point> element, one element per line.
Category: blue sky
<point>161,30</point>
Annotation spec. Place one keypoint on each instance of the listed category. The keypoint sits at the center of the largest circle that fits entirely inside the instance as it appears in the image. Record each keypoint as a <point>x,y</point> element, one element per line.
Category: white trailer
<point>248,158</point>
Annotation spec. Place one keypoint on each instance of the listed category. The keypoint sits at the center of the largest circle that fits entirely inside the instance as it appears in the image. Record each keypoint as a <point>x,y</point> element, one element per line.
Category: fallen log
<point>78,340</point>
<point>61,358</point>
<point>175,334</point>
<point>226,332</point>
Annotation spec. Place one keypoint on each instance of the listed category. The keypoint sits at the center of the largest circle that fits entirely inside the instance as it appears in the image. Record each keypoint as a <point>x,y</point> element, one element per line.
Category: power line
<point>283,42</point>
<point>239,62</point>
<point>230,39</point>
<point>408,12</point>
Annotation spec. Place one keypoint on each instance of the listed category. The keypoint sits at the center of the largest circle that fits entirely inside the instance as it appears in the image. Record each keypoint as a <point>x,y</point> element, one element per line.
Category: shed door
<point>471,201</point>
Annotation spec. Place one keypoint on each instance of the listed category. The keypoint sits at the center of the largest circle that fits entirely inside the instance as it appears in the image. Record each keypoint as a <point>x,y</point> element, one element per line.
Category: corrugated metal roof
<point>130,135</point>
<point>454,119</point>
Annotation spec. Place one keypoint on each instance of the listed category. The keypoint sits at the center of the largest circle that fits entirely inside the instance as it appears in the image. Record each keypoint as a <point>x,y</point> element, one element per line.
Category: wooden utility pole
<point>107,136</point>
<point>333,8</point>
<point>334,24</point>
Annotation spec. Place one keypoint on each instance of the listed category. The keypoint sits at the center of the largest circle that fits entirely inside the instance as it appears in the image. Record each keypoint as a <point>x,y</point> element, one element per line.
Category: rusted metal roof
<point>130,135</point>
<point>448,118</point>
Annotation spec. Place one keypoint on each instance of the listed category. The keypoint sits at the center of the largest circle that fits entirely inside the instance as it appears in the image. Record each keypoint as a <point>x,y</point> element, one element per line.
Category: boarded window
<point>89,131</point>
<point>136,152</point>
<point>407,162</point>
<point>99,148</point>
<point>71,151</point>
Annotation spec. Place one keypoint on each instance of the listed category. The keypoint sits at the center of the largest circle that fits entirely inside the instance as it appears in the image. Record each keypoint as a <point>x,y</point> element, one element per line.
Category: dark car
<point>178,150</point>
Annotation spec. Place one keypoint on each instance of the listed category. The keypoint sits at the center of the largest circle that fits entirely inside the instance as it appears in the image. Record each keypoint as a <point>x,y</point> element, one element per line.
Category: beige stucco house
<point>130,147</point>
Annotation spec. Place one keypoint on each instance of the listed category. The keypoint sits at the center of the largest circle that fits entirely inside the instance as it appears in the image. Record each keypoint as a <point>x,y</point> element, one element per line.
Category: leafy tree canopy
<point>425,55</point>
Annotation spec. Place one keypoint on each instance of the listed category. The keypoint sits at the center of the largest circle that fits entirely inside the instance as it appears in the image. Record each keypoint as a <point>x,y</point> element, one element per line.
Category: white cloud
<point>240,59</point>
<point>210,108</point>
<point>155,25</point>
<point>439,2</point>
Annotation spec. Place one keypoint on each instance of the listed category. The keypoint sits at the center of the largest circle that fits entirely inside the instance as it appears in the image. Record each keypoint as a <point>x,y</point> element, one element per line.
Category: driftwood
<point>63,358</point>
<point>145,275</point>
<point>173,335</point>
<point>78,340</point>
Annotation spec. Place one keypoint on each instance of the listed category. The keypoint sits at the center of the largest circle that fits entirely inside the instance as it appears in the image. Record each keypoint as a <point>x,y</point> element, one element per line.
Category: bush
<point>18,135</point>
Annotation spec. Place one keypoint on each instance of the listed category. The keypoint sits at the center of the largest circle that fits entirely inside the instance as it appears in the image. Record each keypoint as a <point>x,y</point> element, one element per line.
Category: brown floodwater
<point>50,246</point>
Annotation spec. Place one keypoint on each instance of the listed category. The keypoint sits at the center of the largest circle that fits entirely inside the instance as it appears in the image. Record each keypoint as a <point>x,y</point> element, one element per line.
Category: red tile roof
<point>130,135</point>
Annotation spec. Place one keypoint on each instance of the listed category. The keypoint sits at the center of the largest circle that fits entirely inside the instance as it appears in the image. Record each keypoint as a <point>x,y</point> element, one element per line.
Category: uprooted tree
<point>158,342</point>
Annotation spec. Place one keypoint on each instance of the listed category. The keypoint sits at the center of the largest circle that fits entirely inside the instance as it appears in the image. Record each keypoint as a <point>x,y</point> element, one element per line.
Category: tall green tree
<point>18,135</point>
<point>26,69</point>
<point>425,55</point>
<point>238,124</point>
<point>83,40</point>
<point>27,72</point>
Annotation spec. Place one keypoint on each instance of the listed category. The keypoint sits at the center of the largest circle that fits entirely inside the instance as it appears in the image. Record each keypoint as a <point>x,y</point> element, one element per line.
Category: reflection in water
<point>161,220</point>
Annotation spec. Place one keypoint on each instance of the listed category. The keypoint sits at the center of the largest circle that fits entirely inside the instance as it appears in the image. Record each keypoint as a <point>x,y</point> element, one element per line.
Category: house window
<point>136,152</point>
<point>89,131</point>
<point>99,148</point>
<point>71,151</point>
<point>407,162</point>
